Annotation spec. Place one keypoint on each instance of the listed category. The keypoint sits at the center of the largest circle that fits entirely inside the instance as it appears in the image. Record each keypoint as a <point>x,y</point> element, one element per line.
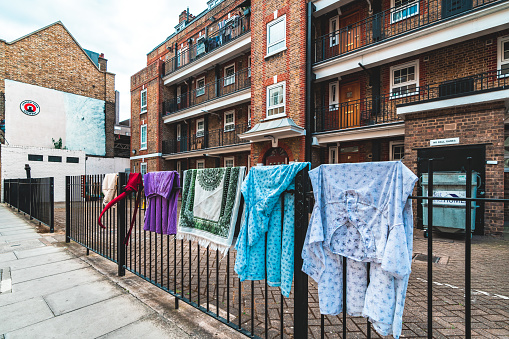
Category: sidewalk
<point>50,289</point>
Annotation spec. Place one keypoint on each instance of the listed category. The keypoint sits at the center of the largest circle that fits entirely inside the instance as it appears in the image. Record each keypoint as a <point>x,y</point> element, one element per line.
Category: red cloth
<point>134,184</point>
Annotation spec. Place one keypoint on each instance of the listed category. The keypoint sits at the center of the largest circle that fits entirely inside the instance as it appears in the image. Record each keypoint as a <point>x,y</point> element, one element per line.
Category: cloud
<point>124,30</point>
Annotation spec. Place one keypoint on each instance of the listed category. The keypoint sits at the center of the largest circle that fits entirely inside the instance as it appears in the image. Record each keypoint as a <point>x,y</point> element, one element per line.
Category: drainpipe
<point>310,77</point>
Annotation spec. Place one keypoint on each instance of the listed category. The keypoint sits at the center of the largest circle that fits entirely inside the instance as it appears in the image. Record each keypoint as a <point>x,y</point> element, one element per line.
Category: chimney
<point>183,16</point>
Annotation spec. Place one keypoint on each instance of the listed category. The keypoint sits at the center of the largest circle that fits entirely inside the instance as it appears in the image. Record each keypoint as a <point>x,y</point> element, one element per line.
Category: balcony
<point>216,95</point>
<point>233,31</point>
<point>391,23</point>
<point>214,141</point>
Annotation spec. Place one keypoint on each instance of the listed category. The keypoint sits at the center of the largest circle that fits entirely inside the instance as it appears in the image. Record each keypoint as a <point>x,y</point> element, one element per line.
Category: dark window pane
<point>73,160</point>
<point>54,158</point>
<point>34,157</point>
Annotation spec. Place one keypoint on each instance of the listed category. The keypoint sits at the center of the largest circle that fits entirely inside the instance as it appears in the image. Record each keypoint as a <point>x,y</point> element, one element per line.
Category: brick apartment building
<point>255,82</point>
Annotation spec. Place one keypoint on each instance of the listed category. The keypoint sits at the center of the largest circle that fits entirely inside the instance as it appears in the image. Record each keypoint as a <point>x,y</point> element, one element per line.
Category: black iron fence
<point>199,47</point>
<point>34,197</point>
<point>406,17</point>
<point>227,136</point>
<point>203,279</point>
<point>227,85</point>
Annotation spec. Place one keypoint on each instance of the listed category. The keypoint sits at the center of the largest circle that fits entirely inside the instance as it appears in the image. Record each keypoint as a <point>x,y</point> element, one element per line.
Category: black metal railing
<point>382,109</point>
<point>227,136</point>
<point>391,23</point>
<point>231,29</point>
<point>221,87</point>
<point>199,276</point>
<point>34,196</point>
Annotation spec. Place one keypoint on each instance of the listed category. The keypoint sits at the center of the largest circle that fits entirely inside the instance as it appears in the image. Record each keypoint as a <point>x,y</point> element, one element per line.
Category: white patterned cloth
<point>362,212</point>
<point>109,187</point>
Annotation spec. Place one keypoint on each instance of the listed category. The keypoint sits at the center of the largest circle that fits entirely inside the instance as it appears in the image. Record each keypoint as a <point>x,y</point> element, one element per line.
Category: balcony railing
<point>382,109</point>
<point>224,86</point>
<point>232,29</point>
<point>208,139</point>
<point>391,23</point>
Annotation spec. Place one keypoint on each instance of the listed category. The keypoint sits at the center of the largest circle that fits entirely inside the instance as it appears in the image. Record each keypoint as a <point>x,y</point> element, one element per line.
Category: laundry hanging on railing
<point>109,187</point>
<point>161,191</point>
<point>210,206</point>
<point>362,212</point>
<point>258,259</point>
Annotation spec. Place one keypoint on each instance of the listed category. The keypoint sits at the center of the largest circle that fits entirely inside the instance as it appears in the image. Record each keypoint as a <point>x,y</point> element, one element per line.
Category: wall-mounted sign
<point>29,107</point>
<point>448,141</point>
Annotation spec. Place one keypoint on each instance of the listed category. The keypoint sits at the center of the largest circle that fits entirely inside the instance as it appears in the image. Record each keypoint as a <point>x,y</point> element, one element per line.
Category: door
<point>350,31</point>
<point>276,156</point>
<point>453,7</point>
<point>349,107</point>
<point>455,159</point>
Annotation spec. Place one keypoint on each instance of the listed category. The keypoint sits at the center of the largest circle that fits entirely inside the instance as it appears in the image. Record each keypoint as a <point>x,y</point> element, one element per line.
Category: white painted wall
<point>14,159</point>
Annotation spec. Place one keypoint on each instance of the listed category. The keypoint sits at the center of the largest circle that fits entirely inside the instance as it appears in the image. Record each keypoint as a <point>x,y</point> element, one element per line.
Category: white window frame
<point>179,167</point>
<point>143,145</point>
<point>143,107</point>
<point>334,31</point>
<point>333,155</point>
<point>279,115</point>
<point>143,168</point>
<point>229,80</point>
<point>500,57</point>
<point>402,11</point>
<point>179,132</point>
<point>200,132</point>
<point>414,63</point>
<point>249,66</point>
<point>232,159</point>
<point>269,25</point>
<point>198,162</point>
<point>334,91</point>
<point>392,144</point>
<point>229,126</point>
<point>200,90</point>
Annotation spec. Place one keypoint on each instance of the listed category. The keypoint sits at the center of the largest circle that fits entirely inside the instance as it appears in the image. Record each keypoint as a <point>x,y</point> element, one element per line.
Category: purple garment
<point>161,213</point>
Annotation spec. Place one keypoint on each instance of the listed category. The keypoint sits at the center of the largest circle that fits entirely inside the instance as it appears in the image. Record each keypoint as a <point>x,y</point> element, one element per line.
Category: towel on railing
<point>210,206</point>
<point>161,191</point>
<point>109,187</point>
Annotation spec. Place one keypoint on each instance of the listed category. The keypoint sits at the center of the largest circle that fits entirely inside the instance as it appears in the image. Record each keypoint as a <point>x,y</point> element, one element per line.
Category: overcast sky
<point>124,30</point>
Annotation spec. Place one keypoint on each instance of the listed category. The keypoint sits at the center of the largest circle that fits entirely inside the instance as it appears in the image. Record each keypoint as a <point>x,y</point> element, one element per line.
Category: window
<point>200,164</point>
<point>179,94</point>
<point>229,121</point>
<point>200,45</point>
<point>182,57</point>
<point>73,160</point>
<point>402,9</point>
<point>397,149</point>
<point>179,132</point>
<point>34,157</point>
<point>143,168</point>
<point>333,96</point>
<point>229,75</point>
<point>200,127</point>
<point>54,158</point>
<point>503,56</point>
<point>405,79</point>
<point>276,35</point>
<point>143,101</point>
<point>249,66</point>
<point>249,116</point>
<point>276,100</point>
<point>200,86</point>
<point>143,137</point>
<point>333,31</point>
<point>333,155</point>
<point>229,161</point>
<point>179,168</point>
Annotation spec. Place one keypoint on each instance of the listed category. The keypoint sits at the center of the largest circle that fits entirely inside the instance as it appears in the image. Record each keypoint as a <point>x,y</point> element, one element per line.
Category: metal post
<point>67,209</point>
<point>52,204</point>
<point>17,202</point>
<point>309,82</point>
<point>430,249</point>
<point>121,226</point>
<point>30,198</point>
<point>468,252</point>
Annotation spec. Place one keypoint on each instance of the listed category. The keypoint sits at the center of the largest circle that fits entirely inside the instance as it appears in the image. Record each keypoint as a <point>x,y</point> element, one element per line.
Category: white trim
<point>334,157</point>
<point>227,127</point>
<point>363,133</point>
<point>152,155</point>
<point>333,104</point>
<point>268,106</point>
<point>141,137</point>
<point>143,165</point>
<point>401,9</point>
<point>334,38</point>
<point>198,134</point>
<point>198,162</point>
<point>269,25</point>
<point>201,89</point>
<point>227,159</point>
<point>228,78</point>
<point>415,64</point>
<point>500,55</point>
<point>245,146</point>
<point>143,109</point>
<point>391,150</point>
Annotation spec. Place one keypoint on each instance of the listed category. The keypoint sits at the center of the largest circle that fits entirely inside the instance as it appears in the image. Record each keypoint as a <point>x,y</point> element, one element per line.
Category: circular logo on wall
<point>29,107</point>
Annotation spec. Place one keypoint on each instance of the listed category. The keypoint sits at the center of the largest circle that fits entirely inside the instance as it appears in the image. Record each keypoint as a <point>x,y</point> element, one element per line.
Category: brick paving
<point>155,256</point>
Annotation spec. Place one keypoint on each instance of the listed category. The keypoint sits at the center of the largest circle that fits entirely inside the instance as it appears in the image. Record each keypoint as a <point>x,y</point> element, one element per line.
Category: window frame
<point>143,165</point>
<point>200,90</point>
<point>143,108</point>
<point>249,116</point>
<point>414,63</point>
<point>392,144</point>
<point>227,125</point>
<point>228,159</point>
<point>179,132</point>
<point>335,157</point>
<point>143,145</point>
<point>179,94</point>
<point>198,134</point>
<point>334,104</point>
<point>278,115</point>
<point>269,25</point>
<point>229,78</point>
<point>500,57</point>
<point>249,66</point>
<point>334,38</point>
<point>397,10</point>
<point>198,162</point>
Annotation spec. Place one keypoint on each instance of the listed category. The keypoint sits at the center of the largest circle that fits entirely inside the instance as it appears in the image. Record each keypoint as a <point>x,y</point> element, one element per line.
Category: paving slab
<point>152,327</point>
<point>36,252</point>
<point>7,257</point>
<point>87,322</point>
<point>20,245</point>
<point>18,237</point>
<point>4,233</point>
<point>31,273</point>
<point>81,296</point>
<point>15,316</point>
<point>37,260</point>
